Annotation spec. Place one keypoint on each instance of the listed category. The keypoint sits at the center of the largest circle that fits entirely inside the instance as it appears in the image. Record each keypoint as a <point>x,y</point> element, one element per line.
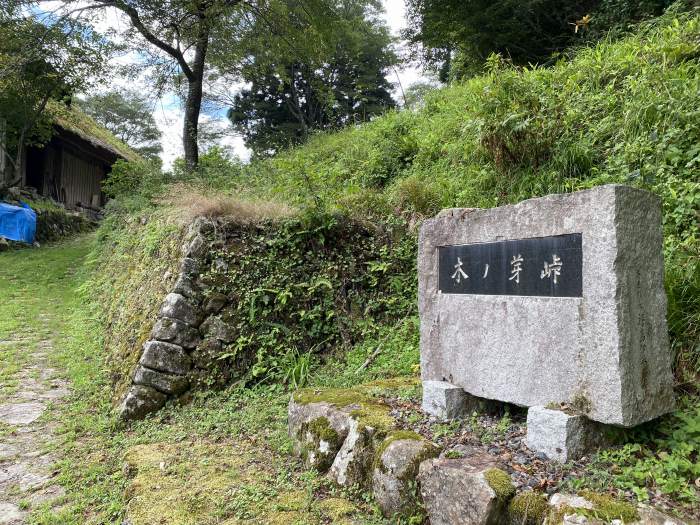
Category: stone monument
<point>555,301</point>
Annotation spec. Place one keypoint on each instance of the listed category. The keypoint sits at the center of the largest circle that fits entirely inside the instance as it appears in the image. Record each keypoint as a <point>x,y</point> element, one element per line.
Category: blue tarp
<point>17,223</point>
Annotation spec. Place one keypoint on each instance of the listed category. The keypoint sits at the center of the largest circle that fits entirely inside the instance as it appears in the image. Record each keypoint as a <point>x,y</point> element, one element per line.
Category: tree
<point>287,99</point>
<point>39,62</point>
<point>181,36</point>
<point>128,115</point>
<point>456,36</point>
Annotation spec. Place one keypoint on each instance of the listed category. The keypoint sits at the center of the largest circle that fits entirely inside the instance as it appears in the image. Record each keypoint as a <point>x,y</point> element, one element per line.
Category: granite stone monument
<point>555,301</point>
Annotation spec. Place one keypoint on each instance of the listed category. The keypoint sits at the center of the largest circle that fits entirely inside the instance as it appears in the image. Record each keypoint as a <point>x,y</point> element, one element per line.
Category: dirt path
<point>33,287</point>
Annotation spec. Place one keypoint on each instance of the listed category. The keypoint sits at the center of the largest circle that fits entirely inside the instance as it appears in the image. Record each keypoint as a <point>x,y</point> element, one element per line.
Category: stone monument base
<point>446,401</point>
<point>564,437</point>
<point>559,435</point>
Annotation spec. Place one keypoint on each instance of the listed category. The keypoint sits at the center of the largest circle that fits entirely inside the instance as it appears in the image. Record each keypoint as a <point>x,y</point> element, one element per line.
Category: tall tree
<point>457,35</point>
<point>287,99</point>
<point>181,35</point>
<point>39,61</point>
<point>128,115</point>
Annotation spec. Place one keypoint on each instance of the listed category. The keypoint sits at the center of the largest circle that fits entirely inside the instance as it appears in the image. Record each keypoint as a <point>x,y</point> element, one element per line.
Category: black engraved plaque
<point>540,266</point>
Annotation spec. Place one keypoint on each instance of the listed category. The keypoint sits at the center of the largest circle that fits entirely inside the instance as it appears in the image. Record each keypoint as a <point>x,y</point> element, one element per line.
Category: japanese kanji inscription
<point>542,266</point>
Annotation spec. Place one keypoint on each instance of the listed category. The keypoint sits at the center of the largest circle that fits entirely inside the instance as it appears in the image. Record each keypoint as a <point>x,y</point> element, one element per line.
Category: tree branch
<point>149,36</point>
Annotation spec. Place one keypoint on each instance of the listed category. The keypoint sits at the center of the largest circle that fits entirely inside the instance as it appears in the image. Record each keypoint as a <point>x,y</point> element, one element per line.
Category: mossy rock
<point>395,473</point>
<point>320,443</point>
<point>528,508</point>
<point>501,484</point>
<point>363,402</point>
<point>608,508</point>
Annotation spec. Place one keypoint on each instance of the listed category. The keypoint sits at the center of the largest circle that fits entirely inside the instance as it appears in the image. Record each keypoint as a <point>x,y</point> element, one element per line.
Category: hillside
<point>315,249</point>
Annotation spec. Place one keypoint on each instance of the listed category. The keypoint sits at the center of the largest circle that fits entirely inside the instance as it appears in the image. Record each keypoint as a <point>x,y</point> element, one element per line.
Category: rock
<point>189,267</point>
<point>605,351</point>
<point>317,431</point>
<point>395,472</point>
<point>167,383</point>
<point>353,464</point>
<point>561,436</point>
<point>650,516</point>
<point>11,514</point>
<point>177,307</point>
<point>528,508</point>
<point>220,265</point>
<point>218,329</point>
<point>186,287</point>
<point>207,354</point>
<point>141,401</point>
<point>446,401</point>
<point>214,303</point>
<point>559,500</point>
<point>14,193</point>
<point>577,519</point>
<point>165,357</point>
<point>468,491</point>
<point>195,248</point>
<point>201,225</point>
<point>176,332</point>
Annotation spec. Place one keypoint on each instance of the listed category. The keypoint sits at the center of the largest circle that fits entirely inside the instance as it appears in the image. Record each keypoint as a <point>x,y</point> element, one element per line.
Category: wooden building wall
<point>68,170</point>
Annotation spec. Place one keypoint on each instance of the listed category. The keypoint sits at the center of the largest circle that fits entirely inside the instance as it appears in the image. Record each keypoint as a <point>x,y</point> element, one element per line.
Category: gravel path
<point>26,436</point>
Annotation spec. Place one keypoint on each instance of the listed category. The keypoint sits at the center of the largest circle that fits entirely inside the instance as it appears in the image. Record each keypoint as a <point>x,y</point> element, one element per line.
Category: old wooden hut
<point>71,167</point>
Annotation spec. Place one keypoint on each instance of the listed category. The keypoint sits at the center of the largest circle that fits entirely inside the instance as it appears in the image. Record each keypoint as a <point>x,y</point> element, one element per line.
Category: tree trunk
<point>193,104</point>
<point>19,163</point>
<point>190,132</point>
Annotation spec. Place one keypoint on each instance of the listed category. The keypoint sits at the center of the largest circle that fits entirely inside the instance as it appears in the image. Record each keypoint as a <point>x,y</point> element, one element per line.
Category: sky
<point>167,110</point>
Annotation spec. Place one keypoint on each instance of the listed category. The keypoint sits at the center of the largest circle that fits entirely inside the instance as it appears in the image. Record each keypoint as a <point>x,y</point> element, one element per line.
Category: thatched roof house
<point>70,168</point>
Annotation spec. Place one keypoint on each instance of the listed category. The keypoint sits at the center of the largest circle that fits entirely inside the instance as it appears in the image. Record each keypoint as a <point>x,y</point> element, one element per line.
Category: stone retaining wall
<point>176,353</point>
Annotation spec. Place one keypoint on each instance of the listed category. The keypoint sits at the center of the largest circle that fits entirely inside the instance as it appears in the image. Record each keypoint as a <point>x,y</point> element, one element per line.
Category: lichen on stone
<point>501,484</point>
<point>528,508</point>
<point>581,404</point>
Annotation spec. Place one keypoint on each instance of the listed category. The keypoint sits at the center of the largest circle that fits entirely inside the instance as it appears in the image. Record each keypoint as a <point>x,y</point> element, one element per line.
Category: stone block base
<point>447,401</point>
<point>563,437</point>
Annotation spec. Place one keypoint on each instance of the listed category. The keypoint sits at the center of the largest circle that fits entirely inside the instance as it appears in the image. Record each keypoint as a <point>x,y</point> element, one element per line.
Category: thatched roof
<point>73,120</point>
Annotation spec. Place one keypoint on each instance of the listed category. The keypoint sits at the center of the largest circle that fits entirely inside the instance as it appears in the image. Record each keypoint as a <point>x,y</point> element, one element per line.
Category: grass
<point>223,459</point>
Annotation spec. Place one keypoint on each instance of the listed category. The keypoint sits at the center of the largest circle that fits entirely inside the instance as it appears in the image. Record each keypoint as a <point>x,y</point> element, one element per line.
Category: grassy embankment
<point>623,112</point>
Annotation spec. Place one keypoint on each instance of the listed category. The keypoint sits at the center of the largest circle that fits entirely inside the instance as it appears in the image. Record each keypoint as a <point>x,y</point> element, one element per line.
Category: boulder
<point>214,303</point>
<point>167,383</point>
<point>140,401</point>
<point>207,354</point>
<point>395,472</point>
<point>165,357</point>
<point>176,332</point>
<point>176,306</point>
<point>215,328</point>
<point>469,491</point>
<point>317,431</point>
<point>447,401</point>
